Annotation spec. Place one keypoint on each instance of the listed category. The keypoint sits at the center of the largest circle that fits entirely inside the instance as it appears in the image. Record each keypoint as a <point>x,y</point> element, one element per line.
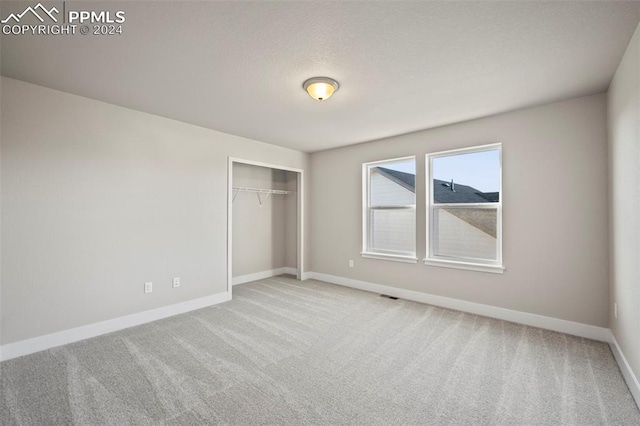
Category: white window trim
<point>480,267</point>
<point>366,184</point>
<point>392,257</point>
<point>467,264</point>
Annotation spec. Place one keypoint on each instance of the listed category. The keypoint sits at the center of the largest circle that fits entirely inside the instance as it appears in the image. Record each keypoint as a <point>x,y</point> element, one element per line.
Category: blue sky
<point>480,170</point>
<point>404,166</point>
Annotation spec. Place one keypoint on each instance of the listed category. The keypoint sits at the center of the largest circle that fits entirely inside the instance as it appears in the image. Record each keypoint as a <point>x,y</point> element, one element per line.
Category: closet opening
<point>265,221</point>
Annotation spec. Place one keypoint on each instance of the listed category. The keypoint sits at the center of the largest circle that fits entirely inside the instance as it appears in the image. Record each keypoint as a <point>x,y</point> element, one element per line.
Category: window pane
<point>465,233</point>
<point>393,231</point>
<point>467,178</point>
<point>393,184</point>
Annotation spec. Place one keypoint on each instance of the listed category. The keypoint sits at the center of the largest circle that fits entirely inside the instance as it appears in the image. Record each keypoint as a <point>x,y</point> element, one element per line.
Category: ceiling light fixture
<point>320,88</point>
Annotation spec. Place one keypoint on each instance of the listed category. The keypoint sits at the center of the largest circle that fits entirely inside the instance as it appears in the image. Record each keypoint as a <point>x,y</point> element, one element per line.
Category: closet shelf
<point>259,191</point>
<point>262,190</point>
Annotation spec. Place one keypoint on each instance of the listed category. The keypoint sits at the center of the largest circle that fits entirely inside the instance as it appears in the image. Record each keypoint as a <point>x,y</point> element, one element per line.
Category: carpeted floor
<point>286,352</point>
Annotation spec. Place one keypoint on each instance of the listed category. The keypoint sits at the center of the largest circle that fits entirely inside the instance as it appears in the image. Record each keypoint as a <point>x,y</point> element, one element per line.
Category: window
<point>464,212</point>
<point>389,209</point>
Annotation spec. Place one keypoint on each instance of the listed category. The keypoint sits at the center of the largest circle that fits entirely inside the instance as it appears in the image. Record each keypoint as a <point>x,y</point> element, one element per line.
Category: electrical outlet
<point>176,282</point>
<point>350,263</point>
<point>615,310</point>
<point>148,287</point>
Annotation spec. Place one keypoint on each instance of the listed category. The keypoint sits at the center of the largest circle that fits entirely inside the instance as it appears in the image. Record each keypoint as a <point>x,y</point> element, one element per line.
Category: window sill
<point>392,257</point>
<point>494,269</point>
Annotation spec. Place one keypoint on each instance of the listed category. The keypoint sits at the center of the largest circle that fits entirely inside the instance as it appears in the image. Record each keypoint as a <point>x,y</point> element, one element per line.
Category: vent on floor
<point>388,297</point>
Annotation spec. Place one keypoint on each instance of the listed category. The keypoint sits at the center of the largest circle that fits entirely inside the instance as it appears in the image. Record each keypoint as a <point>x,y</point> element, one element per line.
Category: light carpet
<point>292,353</point>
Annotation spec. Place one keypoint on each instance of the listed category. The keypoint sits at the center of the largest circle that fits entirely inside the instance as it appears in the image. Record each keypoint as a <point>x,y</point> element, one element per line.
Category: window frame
<point>366,213</point>
<point>463,262</point>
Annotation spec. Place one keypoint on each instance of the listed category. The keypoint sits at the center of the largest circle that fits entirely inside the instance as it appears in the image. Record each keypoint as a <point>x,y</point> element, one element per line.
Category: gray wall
<point>264,237</point>
<point>97,199</point>
<point>624,159</point>
<point>555,212</point>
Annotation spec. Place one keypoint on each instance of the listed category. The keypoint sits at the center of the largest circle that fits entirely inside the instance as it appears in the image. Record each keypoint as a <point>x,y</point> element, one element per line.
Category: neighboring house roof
<point>442,190</point>
<point>493,197</point>
<point>406,180</point>
<point>443,193</point>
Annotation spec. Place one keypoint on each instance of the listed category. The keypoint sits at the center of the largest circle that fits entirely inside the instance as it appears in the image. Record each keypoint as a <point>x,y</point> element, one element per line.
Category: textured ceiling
<point>238,67</point>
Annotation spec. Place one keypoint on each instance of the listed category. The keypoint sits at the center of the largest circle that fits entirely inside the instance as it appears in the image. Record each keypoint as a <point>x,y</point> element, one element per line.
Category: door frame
<point>299,213</point>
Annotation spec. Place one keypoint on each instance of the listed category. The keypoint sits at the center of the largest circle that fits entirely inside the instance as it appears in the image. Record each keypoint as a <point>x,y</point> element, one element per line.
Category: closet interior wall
<point>264,225</point>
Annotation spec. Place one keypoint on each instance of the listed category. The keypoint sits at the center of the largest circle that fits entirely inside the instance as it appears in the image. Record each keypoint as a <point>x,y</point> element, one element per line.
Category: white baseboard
<point>242,279</point>
<point>625,368</point>
<point>40,343</point>
<point>563,326</point>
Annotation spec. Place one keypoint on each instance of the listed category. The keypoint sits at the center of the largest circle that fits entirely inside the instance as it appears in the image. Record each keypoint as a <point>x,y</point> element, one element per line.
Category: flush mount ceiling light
<point>320,88</point>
